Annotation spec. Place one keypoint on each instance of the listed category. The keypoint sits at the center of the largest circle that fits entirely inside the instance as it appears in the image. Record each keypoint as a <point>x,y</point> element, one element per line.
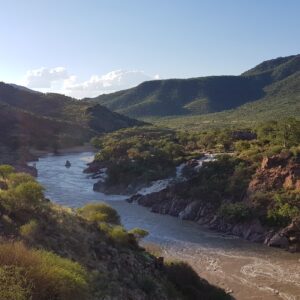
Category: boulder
<point>279,240</point>
<point>190,211</point>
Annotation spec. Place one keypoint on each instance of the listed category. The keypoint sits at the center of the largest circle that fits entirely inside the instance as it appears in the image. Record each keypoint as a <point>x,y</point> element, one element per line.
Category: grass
<point>41,274</point>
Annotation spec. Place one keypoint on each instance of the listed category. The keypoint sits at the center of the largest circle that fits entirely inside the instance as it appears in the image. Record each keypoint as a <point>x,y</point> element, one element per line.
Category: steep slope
<point>21,130</point>
<point>282,100</point>
<point>65,108</point>
<point>49,121</point>
<point>52,252</point>
<point>183,96</point>
<point>197,96</point>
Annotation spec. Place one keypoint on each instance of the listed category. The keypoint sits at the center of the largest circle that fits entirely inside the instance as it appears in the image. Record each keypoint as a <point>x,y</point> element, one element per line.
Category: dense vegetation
<point>148,153</point>
<point>138,155</point>
<point>51,252</point>
<point>274,83</point>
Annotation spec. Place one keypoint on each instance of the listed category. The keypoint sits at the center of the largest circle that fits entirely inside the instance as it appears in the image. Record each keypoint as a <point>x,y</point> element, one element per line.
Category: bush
<point>139,233</point>
<point>16,179</point>
<point>29,229</point>
<point>13,283</point>
<point>27,196</point>
<point>42,274</point>
<point>100,212</point>
<point>119,235</point>
<point>6,170</point>
<point>282,213</point>
<point>236,212</point>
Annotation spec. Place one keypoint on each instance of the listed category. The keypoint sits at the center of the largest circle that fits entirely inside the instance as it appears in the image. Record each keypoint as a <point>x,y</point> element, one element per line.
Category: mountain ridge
<point>200,95</point>
<point>50,121</point>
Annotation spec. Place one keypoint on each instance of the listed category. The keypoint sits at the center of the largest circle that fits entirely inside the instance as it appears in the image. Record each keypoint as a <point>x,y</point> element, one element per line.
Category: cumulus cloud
<point>110,82</point>
<point>58,80</point>
<point>43,78</point>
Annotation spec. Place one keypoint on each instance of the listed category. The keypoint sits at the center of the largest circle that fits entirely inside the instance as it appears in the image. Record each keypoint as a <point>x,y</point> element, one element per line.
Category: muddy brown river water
<point>247,270</point>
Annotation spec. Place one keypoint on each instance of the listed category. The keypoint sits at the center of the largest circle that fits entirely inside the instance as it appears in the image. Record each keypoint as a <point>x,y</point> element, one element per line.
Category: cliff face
<point>277,173</point>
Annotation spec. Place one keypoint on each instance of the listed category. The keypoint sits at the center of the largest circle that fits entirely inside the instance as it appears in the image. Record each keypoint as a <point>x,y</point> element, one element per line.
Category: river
<point>248,270</point>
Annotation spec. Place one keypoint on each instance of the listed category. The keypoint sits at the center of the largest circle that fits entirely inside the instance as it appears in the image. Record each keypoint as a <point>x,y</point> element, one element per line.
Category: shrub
<point>13,283</point>
<point>139,233</point>
<point>29,229</point>
<point>282,213</point>
<point>16,179</point>
<point>119,235</point>
<point>43,274</point>
<point>236,212</point>
<point>27,195</point>
<point>99,212</point>
<point>6,170</point>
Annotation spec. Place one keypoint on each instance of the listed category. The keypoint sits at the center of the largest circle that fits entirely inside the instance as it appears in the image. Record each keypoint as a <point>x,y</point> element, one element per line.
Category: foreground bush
<point>24,196</point>
<point>39,275</point>
<point>99,212</point>
<point>14,285</point>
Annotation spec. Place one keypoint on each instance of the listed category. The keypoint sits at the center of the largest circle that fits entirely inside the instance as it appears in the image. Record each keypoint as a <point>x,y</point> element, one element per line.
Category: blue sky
<point>86,47</point>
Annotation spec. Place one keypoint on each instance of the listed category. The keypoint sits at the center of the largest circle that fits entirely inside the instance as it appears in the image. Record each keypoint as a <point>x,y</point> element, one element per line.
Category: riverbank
<point>75,149</point>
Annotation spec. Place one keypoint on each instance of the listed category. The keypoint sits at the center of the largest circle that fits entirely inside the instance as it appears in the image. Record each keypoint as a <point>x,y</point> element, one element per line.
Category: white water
<point>159,185</point>
<point>252,271</point>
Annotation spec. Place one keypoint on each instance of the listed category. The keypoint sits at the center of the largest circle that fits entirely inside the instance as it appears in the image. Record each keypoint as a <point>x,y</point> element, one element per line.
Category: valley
<point>242,267</point>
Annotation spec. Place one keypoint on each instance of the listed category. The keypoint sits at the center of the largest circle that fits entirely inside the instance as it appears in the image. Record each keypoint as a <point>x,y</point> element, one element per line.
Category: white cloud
<point>44,77</point>
<point>58,80</point>
<point>108,83</point>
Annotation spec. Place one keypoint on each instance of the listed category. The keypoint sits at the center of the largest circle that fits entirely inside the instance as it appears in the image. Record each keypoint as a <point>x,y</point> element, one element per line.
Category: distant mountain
<point>37,120</point>
<point>23,88</point>
<point>198,96</point>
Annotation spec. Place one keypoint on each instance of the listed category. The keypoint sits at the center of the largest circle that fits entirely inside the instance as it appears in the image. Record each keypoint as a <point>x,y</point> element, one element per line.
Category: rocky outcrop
<point>27,169</point>
<point>276,172</point>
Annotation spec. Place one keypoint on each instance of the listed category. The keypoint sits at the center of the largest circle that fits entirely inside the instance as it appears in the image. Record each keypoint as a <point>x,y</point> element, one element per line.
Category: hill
<point>198,96</point>
<point>52,252</point>
<point>282,100</point>
<point>50,121</point>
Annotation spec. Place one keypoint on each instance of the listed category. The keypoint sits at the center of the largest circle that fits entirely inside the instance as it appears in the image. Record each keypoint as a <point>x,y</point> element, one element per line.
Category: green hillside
<point>271,80</point>
<point>50,121</point>
<point>282,100</point>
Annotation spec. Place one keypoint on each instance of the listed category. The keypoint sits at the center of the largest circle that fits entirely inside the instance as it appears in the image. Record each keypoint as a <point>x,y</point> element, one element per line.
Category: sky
<point>84,48</point>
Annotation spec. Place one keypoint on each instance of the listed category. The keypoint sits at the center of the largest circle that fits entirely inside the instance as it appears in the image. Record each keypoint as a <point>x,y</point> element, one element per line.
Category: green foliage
<point>282,212</point>
<point>99,212</point>
<point>235,212</point>
<point>225,177</point>
<point>25,196</point>
<point>285,133</point>
<point>139,233</point>
<point>13,283</point>
<point>119,235</point>
<point>39,275</point>
<point>16,179</point>
<point>6,170</point>
<point>138,154</point>
<point>30,229</point>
